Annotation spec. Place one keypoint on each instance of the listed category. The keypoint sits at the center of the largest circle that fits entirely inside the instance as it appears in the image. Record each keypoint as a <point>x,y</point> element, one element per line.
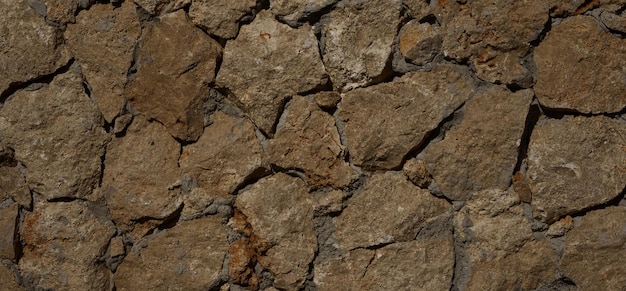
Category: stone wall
<point>312,145</point>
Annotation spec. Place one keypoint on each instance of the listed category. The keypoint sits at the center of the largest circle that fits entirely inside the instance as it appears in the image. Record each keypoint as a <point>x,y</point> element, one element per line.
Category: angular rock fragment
<point>220,18</point>
<point>575,163</point>
<point>419,42</point>
<point>284,223</point>
<point>358,41</point>
<point>327,100</point>
<point>293,11</point>
<point>7,277</point>
<point>141,169</point>
<point>29,47</point>
<point>390,209</point>
<point>8,222</point>
<point>57,135</point>
<point>418,9</point>
<point>499,246</point>
<point>384,122</point>
<point>61,11</point>
<point>593,255</point>
<point>577,68</point>
<point>225,156</point>
<point>188,256</point>
<point>309,141</point>
<point>176,65</point>
<point>481,151</point>
<point>13,185</point>
<point>415,170</point>
<point>158,7</point>
<point>64,246</point>
<point>267,63</point>
<point>103,40</point>
<point>613,21</point>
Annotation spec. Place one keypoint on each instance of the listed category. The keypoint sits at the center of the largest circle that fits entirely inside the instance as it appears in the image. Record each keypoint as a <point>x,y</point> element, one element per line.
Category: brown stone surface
<point>7,277</point>
<point>8,222</point>
<point>309,141</point>
<point>64,246</point>
<point>358,40</point>
<point>418,9</point>
<point>57,134</point>
<point>415,170</point>
<point>593,255</point>
<point>220,18</point>
<point>13,185</point>
<point>156,7</point>
<point>210,160</point>
<point>61,11</point>
<point>176,65</point>
<point>575,163</point>
<point>188,256</point>
<point>285,223</point>
<point>480,152</point>
<point>267,63</point>
<point>384,122</point>
<point>292,11</point>
<point>29,48</point>
<point>103,40</point>
<point>343,273</point>
<point>577,68</point>
<point>141,169</point>
<point>327,99</point>
<point>420,42</point>
<point>389,209</point>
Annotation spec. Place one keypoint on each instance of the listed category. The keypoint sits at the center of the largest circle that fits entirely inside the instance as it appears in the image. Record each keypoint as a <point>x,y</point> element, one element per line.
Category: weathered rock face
<point>590,257</point>
<point>220,18</point>
<point>576,68</point>
<point>293,11</point>
<point>309,141</point>
<point>13,185</point>
<point>64,246</point>
<point>141,173</point>
<point>57,134</point>
<point>404,207</point>
<point>8,279</point>
<point>29,47</point>
<point>176,65</point>
<point>8,222</point>
<point>481,152</point>
<point>156,7</point>
<point>188,256</point>
<point>575,163</point>
<point>284,223</point>
<point>419,42</point>
<point>358,40</point>
<point>59,11</point>
<point>267,63</point>
<point>384,122</point>
<point>103,40</point>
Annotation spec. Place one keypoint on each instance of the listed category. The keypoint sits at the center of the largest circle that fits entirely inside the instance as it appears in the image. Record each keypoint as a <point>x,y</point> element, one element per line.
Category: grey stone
<point>384,122</point>
<point>418,9</point>
<point>57,134</point>
<point>576,68</point>
<point>358,40</point>
<point>220,18</point>
<point>294,11</point>
<point>159,7</point>
<point>64,246</point>
<point>481,151</point>
<point>267,63</point>
<point>419,42</point>
<point>613,21</point>
<point>575,163</point>
<point>8,222</point>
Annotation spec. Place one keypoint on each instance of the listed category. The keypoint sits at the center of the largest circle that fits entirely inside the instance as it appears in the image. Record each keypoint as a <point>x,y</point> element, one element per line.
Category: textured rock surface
<point>267,63</point>
<point>481,152</point>
<point>309,141</point>
<point>284,223</point>
<point>64,246</point>
<point>103,40</point>
<point>590,257</point>
<point>13,185</point>
<point>419,42</point>
<point>161,6</point>
<point>59,11</point>
<point>358,40</point>
<point>576,68</point>
<point>292,11</point>
<point>57,134</point>
<point>220,18</point>
<point>7,278</point>
<point>176,65</point>
<point>8,222</point>
<point>384,122</point>
<point>345,272</point>
<point>575,163</point>
<point>188,256</point>
<point>29,47</point>
<point>389,209</point>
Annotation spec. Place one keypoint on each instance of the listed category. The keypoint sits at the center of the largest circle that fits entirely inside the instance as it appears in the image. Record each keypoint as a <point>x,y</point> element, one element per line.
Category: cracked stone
<point>575,163</point>
<point>158,7</point>
<point>103,40</point>
<point>176,65</point>
<point>593,254</point>
<point>419,42</point>
<point>309,141</point>
<point>8,222</point>
<point>7,277</point>
<point>384,122</point>
<point>294,11</point>
<point>29,47</point>
<point>576,68</point>
<point>481,151</point>
<point>140,168</point>
<point>267,63</point>
<point>359,38</point>
<point>188,256</point>
<point>390,209</point>
<point>285,224</point>
<point>57,134</point>
<point>220,18</point>
<point>64,246</point>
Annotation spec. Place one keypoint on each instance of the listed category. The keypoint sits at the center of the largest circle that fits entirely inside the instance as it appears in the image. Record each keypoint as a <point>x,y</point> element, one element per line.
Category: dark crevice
<point>248,18</point>
<point>546,28</point>
<point>613,202</point>
<point>252,178</point>
<point>278,117</point>
<point>44,79</point>
<point>17,245</point>
<point>376,246</point>
<point>534,113</point>
<point>66,199</point>
<point>315,17</point>
<point>559,113</point>
<point>102,166</point>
